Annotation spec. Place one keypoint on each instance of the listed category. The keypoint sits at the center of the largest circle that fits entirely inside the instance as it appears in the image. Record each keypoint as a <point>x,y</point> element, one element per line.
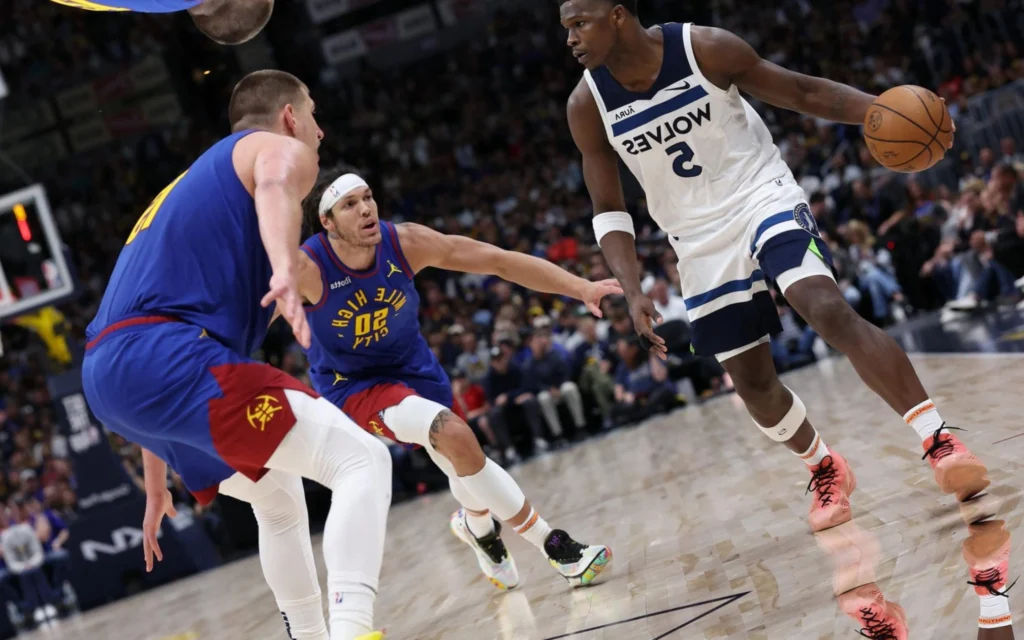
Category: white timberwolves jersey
<point>702,155</point>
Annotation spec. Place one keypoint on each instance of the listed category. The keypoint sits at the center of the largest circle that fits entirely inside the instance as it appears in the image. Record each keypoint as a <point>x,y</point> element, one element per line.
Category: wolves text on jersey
<point>370,325</point>
<point>666,131</point>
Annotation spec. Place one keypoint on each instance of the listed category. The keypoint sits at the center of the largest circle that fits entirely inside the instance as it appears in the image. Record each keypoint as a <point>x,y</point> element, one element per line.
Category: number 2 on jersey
<point>147,216</point>
<point>685,157</point>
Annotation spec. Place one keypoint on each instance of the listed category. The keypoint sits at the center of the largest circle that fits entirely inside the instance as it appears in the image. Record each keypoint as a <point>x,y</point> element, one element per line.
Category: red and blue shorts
<point>365,407</point>
<point>199,406</point>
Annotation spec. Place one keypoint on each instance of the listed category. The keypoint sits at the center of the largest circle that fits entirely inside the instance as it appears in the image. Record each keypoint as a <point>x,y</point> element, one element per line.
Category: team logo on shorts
<point>262,412</point>
<point>804,218</point>
<point>376,427</point>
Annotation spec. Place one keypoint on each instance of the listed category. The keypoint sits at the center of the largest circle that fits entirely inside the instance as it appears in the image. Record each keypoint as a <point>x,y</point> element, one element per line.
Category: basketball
<point>908,129</point>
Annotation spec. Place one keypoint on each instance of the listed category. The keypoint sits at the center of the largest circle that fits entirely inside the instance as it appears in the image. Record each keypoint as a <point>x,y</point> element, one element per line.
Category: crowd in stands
<point>474,141</point>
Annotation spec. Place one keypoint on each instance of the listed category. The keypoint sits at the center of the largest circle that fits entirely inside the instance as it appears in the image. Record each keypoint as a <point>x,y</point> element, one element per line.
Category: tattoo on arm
<point>438,425</point>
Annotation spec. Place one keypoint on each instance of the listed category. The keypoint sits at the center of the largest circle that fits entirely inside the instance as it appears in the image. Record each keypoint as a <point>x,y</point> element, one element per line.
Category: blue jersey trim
<point>393,231</point>
<point>368,273</point>
<point>674,67</point>
<point>659,110</point>
<point>722,290</point>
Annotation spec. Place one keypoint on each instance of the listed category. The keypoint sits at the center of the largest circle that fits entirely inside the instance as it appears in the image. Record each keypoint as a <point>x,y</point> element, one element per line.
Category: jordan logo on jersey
<point>394,269</point>
<point>338,378</point>
<point>371,325</point>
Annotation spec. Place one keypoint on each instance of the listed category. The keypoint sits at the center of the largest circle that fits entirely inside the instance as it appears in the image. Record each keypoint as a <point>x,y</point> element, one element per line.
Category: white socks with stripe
<point>924,419</point>
<point>995,612</point>
<point>535,530</point>
<point>815,453</point>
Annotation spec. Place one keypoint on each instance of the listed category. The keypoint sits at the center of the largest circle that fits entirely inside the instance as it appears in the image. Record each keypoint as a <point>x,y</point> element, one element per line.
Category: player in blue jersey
<point>224,21</point>
<point>368,357</point>
<point>168,362</point>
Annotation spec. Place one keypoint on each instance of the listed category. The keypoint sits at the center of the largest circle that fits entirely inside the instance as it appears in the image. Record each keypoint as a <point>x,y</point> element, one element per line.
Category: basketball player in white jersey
<point>667,101</point>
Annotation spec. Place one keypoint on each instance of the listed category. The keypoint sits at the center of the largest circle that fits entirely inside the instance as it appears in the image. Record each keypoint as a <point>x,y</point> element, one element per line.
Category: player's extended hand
<point>593,292</point>
<point>157,506</point>
<point>284,290</point>
<point>645,316</point>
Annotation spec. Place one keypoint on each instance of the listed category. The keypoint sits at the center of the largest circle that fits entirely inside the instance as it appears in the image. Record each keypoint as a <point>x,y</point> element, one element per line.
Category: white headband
<point>340,188</point>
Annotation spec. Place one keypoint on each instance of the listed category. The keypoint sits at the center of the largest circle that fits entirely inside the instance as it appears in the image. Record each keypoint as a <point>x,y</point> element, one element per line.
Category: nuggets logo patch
<point>376,427</point>
<point>262,412</point>
<point>803,217</point>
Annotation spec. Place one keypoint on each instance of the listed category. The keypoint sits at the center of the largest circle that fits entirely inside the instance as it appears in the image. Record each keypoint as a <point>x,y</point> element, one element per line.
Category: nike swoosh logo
<point>685,87</point>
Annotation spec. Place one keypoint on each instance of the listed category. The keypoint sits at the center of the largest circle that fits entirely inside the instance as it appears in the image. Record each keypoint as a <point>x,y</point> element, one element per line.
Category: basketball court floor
<point>706,518</point>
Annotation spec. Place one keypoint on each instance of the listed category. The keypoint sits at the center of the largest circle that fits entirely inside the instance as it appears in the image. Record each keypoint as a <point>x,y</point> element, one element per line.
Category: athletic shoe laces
<point>988,579</point>
<point>563,549</point>
<point>823,481</point>
<point>493,545</point>
<point>876,628</point>
<point>941,447</point>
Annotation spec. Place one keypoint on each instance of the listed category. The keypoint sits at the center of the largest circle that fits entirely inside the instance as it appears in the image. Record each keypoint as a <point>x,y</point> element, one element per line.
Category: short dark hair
<point>311,203</point>
<point>259,96</point>
<point>234,23</point>
<point>628,5</point>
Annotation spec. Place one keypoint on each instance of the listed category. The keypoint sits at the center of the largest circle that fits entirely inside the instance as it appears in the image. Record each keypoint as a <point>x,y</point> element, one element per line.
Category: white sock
<point>351,612</point>
<point>924,419</point>
<point>304,619</point>
<point>535,530</point>
<point>815,453</point>
<point>995,612</point>
<point>480,525</point>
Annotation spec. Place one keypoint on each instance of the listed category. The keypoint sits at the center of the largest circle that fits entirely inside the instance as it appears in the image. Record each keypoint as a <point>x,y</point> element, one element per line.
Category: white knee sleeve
<point>787,427</point>
<point>326,446</point>
<point>286,553</point>
<point>411,418</point>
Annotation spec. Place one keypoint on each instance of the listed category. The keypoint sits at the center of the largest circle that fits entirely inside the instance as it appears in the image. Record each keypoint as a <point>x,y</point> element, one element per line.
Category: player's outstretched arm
<point>158,504</point>
<point>601,174</point>
<point>284,172</point>
<point>726,59</point>
<point>424,247</point>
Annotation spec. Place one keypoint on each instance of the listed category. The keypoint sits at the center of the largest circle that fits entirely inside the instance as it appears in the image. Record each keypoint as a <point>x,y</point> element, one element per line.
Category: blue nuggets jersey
<point>196,255</point>
<point>366,328</point>
<point>141,6</point>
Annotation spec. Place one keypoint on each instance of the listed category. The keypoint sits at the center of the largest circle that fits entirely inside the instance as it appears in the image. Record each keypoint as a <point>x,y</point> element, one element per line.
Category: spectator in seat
<point>592,366</point>
<point>472,402</point>
<point>666,302</point>
<point>548,372</point>
<point>53,534</point>
<point>23,552</point>
<point>874,270</point>
<point>1008,249</point>
<point>509,397</point>
<point>475,355</point>
<point>642,387</point>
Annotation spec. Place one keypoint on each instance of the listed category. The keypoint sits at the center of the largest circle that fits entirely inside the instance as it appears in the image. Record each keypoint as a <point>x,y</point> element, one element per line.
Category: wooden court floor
<point>706,518</point>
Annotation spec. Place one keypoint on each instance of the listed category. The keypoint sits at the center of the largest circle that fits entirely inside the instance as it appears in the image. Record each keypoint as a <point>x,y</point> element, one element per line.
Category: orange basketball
<point>907,129</point>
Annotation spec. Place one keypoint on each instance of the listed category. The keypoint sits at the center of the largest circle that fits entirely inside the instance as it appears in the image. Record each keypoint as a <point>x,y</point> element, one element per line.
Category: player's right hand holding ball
<point>908,129</point>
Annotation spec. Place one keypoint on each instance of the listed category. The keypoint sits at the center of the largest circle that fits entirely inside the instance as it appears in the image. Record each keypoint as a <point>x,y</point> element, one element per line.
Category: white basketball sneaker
<point>492,556</point>
<point>578,563</point>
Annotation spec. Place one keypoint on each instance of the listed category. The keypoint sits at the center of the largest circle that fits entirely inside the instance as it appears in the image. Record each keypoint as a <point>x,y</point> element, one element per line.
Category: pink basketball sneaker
<point>832,482</point>
<point>957,470</point>
<point>879,620</point>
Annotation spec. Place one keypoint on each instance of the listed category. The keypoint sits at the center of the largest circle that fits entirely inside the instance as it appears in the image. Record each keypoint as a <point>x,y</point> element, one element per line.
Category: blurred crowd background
<point>467,133</point>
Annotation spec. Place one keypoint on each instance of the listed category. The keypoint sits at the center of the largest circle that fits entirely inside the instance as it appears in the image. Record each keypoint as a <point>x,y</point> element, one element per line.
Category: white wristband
<point>605,223</point>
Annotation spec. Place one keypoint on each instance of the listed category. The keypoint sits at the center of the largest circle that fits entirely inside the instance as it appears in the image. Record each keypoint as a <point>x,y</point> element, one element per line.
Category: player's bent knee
<point>457,442</point>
